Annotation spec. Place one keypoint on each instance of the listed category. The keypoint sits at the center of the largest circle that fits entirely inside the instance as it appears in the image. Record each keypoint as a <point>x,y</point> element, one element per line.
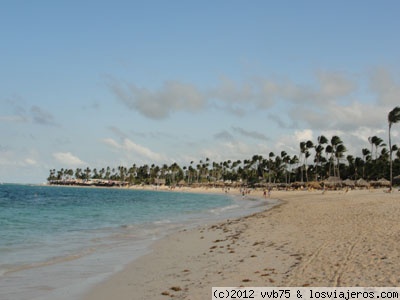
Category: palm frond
<point>394,115</point>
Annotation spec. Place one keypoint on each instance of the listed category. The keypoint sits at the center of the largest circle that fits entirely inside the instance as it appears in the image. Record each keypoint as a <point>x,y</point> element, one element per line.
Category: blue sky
<point>109,83</point>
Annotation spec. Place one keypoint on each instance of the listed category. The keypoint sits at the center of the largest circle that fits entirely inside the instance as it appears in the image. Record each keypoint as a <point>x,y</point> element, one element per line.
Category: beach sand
<point>311,239</point>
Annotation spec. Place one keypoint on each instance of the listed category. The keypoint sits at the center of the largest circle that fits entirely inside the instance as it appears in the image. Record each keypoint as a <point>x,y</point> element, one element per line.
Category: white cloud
<point>232,96</point>
<point>363,133</point>
<point>331,103</point>
<point>68,159</point>
<point>355,115</point>
<point>340,117</point>
<point>303,135</point>
<point>112,143</point>
<point>228,150</point>
<point>384,85</point>
<point>10,158</point>
<point>250,133</point>
<point>229,91</point>
<point>20,114</point>
<point>30,161</point>
<point>130,148</point>
<point>334,85</point>
<point>142,151</point>
<point>158,104</point>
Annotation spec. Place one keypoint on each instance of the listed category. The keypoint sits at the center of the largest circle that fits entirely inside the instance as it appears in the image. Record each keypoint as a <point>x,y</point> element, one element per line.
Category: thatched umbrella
<point>314,185</point>
<point>333,181</point>
<point>159,181</point>
<point>381,183</point>
<point>297,184</point>
<point>219,183</point>
<point>349,183</point>
<point>182,182</point>
<point>283,185</point>
<point>362,183</point>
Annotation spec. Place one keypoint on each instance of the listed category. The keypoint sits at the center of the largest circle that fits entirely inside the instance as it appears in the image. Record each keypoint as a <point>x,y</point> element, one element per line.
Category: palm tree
<point>198,171</point>
<point>191,172</point>
<point>393,117</point>
<point>303,149</point>
<point>271,155</point>
<point>329,153</point>
<point>377,142</point>
<point>351,168</point>
<point>358,163</point>
<point>101,173</point>
<point>366,157</point>
<point>87,173</point>
<point>52,175</point>
<point>70,173</point>
<point>340,149</point>
<point>309,145</point>
<point>279,168</point>
<point>95,174</point>
<point>318,154</point>
<point>285,159</point>
<point>108,173</point>
<point>122,173</point>
<point>336,149</point>
<point>176,173</point>
<point>293,161</point>
<point>372,144</point>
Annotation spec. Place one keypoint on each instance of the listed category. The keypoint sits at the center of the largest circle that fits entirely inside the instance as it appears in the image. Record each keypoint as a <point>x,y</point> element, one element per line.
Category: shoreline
<point>337,238</point>
<point>70,274</point>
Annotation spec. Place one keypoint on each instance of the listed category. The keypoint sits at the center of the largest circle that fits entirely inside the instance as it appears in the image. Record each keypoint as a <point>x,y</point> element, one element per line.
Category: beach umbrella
<point>297,184</point>
<point>314,185</point>
<point>349,183</point>
<point>380,183</point>
<point>361,183</point>
<point>383,182</point>
<point>333,181</point>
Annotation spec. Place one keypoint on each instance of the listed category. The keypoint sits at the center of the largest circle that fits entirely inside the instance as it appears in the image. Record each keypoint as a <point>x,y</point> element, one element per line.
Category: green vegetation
<point>393,117</point>
<point>315,162</point>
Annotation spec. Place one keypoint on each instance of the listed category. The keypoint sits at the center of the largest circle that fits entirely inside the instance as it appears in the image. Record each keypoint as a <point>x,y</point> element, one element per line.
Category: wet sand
<point>312,238</point>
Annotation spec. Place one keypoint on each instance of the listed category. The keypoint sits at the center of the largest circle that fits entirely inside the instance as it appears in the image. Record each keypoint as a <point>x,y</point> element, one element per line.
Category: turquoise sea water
<point>57,241</point>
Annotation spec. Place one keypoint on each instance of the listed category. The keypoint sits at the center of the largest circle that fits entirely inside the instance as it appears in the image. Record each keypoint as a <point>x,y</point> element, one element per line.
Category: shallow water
<point>56,242</point>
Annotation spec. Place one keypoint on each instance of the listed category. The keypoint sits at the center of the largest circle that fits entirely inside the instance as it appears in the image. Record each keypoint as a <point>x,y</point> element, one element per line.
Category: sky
<point>110,83</point>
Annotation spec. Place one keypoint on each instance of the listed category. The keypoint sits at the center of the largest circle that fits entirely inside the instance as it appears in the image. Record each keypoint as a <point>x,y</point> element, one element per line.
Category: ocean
<point>57,242</point>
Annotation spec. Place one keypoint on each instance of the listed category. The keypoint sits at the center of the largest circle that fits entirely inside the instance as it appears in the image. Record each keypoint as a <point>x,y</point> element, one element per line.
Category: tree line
<point>315,161</point>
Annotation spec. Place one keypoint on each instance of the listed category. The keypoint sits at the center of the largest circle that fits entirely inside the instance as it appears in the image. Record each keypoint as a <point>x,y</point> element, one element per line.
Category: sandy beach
<point>312,238</point>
